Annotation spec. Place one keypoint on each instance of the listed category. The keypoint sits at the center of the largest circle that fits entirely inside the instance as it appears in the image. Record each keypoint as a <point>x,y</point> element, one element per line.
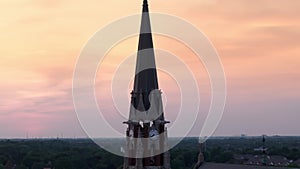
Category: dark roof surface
<point>146,75</point>
<point>145,80</point>
<point>233,166</point>
<point>297,162</point>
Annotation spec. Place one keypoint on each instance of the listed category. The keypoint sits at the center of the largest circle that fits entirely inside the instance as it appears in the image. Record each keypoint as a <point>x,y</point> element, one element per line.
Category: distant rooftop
<point>233,166</point>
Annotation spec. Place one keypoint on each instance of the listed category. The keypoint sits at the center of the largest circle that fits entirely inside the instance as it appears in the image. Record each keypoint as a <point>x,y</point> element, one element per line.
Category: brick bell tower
<point>146,135</point>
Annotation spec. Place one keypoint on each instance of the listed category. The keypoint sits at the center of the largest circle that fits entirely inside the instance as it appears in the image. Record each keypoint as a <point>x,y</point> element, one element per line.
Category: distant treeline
<point>84,154</point>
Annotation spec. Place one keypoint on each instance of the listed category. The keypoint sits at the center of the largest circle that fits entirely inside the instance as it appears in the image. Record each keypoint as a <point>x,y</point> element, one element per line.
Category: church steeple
<point>146,76</point>
<point>146,141</point>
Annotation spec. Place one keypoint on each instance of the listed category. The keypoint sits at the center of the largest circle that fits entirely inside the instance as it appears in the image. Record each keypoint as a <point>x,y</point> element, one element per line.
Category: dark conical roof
<point>146,75</point>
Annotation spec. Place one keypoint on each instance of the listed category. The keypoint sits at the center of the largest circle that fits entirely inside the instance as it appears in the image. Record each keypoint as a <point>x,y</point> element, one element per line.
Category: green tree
<point>20,167</point>
<point>37,166</point>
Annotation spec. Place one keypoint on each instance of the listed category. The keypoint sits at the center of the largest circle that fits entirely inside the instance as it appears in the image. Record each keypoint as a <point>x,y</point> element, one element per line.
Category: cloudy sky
<point>258,43</point>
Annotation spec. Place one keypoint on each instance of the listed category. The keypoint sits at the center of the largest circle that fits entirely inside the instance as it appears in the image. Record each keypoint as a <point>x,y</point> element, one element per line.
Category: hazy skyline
<point>258,43</point>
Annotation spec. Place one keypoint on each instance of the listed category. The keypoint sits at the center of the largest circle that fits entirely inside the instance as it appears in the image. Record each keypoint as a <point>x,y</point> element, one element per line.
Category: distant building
<point>248,161</point>
<point>234,166</point>
<point>49,165</point>
<point>10,165</point>
<point>261,149</point>
<point>297,162</point>
<point>200,156</point>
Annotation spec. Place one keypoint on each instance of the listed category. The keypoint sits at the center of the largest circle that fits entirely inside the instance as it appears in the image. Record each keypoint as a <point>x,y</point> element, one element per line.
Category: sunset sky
<point>258,42</point>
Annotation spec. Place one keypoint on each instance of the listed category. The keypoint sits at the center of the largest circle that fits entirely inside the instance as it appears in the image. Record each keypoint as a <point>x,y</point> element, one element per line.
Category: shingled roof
<point>233,166</point>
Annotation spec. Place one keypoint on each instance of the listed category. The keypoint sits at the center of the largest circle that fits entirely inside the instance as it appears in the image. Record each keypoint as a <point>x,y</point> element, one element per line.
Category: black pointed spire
<point>146,76</point>
<point>140,129</point>
<point>145,32</point>
<point>145,6</point>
